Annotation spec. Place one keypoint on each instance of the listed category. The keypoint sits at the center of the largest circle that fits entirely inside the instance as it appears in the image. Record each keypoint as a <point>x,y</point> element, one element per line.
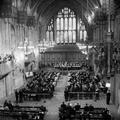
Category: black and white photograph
<point>59,59</point>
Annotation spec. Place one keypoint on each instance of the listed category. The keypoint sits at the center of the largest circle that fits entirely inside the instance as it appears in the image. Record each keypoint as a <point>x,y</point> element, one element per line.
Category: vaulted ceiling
<point>48,8</point>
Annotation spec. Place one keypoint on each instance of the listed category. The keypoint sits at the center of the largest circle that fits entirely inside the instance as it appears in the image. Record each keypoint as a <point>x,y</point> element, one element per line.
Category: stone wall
<point>11,37</point>
<point>61,57</point>
<point>12,81</point>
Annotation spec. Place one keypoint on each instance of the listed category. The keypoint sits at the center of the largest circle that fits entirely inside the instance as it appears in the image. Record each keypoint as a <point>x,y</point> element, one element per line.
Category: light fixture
<point>108,85</point>
<point>96,7</point>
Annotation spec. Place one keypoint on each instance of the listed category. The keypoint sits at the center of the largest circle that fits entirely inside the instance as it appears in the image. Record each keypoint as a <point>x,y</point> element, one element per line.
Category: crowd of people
<point>40,84</point>
<point>82,81</point>
<point>72,111</point>
<point>85,81</point>
<point>19,112</point>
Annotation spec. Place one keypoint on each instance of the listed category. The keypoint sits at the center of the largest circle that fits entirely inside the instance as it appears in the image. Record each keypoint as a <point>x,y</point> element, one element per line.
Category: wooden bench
<point>22,113</point>
<point>36,96</point>
<point>96,114</point>
<point>81,95</point>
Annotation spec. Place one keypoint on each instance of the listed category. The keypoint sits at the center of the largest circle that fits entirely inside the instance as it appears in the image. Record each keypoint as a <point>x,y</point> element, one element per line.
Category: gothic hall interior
<point>59,60</point>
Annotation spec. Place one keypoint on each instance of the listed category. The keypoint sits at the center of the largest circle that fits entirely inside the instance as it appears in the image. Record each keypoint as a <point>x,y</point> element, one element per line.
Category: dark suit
<point>108,98</point>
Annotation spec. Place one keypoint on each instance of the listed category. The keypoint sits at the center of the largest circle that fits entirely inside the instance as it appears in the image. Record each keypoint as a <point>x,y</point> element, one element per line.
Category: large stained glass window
<point>49,32</point>
<point>64,27</point>
<point>82,32</point>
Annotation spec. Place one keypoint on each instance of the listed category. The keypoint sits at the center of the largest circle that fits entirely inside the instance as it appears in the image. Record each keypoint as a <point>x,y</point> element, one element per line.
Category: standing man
<point>21,95</point>
<point>66,94</point>
<point>108,97</point>
<point>16,95</point>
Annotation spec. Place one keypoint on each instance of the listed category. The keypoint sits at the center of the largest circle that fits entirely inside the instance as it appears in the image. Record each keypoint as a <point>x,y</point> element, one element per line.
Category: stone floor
<point>54,103</point>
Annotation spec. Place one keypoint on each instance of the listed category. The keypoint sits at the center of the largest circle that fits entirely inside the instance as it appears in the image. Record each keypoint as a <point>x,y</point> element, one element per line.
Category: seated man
<point>5,103</point>
<point>77,107</point>
<point>106,114</point>
<point>69,111</point>
<point>63,105</point>
<point>91,107</point>
<point>43,108</point>
<point>86,108</point>
<point>10,106</point>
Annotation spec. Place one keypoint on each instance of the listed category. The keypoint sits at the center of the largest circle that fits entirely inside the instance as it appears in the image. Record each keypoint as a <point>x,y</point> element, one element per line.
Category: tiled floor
<point>54,103</point>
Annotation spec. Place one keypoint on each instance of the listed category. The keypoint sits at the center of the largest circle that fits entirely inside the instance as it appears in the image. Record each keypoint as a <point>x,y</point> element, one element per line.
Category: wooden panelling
<point>49,58</point>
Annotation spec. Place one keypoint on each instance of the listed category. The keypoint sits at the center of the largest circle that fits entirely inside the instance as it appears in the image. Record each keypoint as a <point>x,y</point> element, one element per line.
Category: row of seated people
<point>84,82</point>
<point>72,66</point>
<point>17,112</point>
<point>41,85</point>
<point>88,112</point>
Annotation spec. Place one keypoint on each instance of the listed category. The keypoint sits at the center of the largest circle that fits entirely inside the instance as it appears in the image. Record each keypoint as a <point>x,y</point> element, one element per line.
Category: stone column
<point>109,35</point>
<point>78,29</point>
<point>54,32</point>
<point>109,41</point>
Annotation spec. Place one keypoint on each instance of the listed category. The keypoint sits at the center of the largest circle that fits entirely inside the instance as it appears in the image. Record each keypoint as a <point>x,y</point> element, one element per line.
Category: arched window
<point>49,32</point>
<point>64,28</point>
